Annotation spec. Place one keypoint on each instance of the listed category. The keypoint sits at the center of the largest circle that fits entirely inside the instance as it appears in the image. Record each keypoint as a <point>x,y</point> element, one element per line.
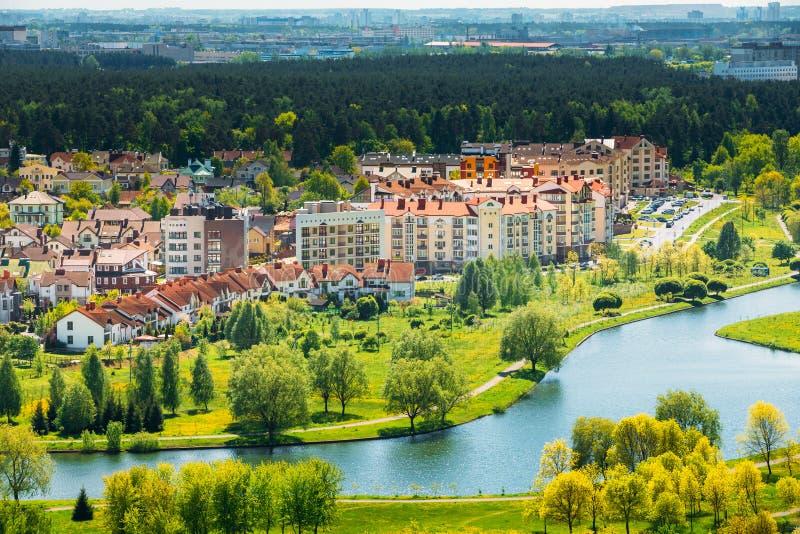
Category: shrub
<point>381,335</point>
<point>434,327</point>
<point>472,320</point>
<point>416,323</point>
<point>360,334</point>
<point>370,343</point>
<point>87,441</point>
<point>695,289</point>
<point>346,335</point>
<point>717,286</point>
<point>607,300</point>
<point>414,311</point>
<point>143,442</point>
<point>667,288</point>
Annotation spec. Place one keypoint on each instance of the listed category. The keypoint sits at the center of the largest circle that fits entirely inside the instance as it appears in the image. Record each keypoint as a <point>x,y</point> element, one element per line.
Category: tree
<point>57,388</point>
<point>344,158</point>
<point>309,491</point>
<point>795,266</point>
<point>367,307</point>
<point>419,345</point>
<point>566,498</point>
<point>10,390</point>
<point>400,146</point>
<point>532,334</point>
<point>717,286</point>
<point>25,466</point>
<point>348,379</point>
<point>788,489</point>
<point>626,497</point>
<point>83,510</point>
<point>607,300</point>
<point>717,489</point>
<point>695,290</point>
<point>144,380</point>
<point>324,186</point>
<point>39,422</point>
<point>141,500</point>
<point>82,162</point>
<point>477,280</point>
<point>452,387</point>
<point>266,489</point>
<point>728,243</point>
<point>690,493</point>
<point>783,251</point>
<point>410,388</point>
<point>765,431</point>
<point>269,384</point>
<point>668,288</point>
<point>310,342</point>
<point>202,387</point>
<point>265,187</point>
<point>556,458</point>
<point>114,193</point>
<point>636,439</point>
<point>748,484</point>
<point>231,498</point>
<point>667,510</point>
<point>320,366</point>
<point>94,376</point>
<point>592,438</point>
<point>361,184</point>
<point>194,499</point>
<point>171,379</point>
<point>690,410</point>
<point>114,436</point>
<point>78,411</point>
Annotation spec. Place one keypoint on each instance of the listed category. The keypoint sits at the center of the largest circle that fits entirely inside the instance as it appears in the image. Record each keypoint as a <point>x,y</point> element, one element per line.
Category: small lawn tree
<point>532,334</point>
<point>728,243</point>
<point>668,288</point>
<point>783,251</point>
<point>607,300</point>
<point>695,290</point>
<point>716,286</point>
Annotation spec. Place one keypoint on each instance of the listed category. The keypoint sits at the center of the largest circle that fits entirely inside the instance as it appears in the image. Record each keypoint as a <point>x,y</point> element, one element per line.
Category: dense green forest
<point>433,101</point>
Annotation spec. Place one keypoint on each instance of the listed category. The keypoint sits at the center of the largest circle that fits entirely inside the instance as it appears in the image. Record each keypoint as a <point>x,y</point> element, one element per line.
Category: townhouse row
<point>125,318</point>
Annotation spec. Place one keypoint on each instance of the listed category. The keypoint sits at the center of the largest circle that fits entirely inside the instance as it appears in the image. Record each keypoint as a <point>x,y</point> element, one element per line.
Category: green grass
<point>780,331</point>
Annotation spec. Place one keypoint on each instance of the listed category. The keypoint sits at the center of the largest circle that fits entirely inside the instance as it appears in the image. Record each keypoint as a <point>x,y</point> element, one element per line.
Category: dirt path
<point>700,232</point>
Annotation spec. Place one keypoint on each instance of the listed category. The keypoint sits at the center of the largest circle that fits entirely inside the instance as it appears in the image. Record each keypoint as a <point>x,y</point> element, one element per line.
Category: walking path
<point>702,230</point>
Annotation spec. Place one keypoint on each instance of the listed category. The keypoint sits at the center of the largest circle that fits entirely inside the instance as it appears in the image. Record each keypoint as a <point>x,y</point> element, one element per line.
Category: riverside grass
<point>780,331</point>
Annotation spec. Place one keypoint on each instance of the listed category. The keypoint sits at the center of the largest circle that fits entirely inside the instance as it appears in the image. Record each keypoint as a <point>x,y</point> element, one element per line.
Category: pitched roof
<point>66,156</point>
<point>59,276</point>
<point>38,198</point>
<point>422,207</point>
<point>118,214</point>
<point>332,273</point>
<point>391,271</point>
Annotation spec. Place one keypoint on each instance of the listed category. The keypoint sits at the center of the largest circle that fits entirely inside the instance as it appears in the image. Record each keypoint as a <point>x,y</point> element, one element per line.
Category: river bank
<point>492,397</point>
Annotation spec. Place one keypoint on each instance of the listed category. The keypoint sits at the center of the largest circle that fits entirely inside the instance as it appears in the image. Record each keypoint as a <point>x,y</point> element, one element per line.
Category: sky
<point>346,4</point>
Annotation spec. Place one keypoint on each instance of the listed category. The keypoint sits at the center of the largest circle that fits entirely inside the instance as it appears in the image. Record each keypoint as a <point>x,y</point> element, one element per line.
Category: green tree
<point>324,186</point>
<point>592,439</point>
<point>309,494</point>
<point>717,286</point>
<point>410,388</point>
<point>171,379</point>
<point>267,492</point>
<point>202,387</point>
<point>717,489</point>
<point>114,436</point>
<point>194,500</point>
<point>57,388</point>
<point>607,300</point>
<point>532,334</point>
<point>783,251</point>
<point>728,243</point>
<point>361,184</point>
<point>765,431</point>
<point>144,380</point>
<point>94,376</point>
<point>310,342</point>
<point>344,158</point>
<point>320,366</point>
<point>83,510</point>
<point>82,162</point>
<point>780,146</point>
<point>39,422</point>
<point>10,390</point>
<point>690,410</point>
<point>348,378</point>
<point>25,466</point>
<point>400,146</point>
<point>419,345</point>
<point>269,384</point>
<point>667,288</point>
<point>77,412</point>
<point>452,387</point>
<point>695,290</point>
<point>232,500</point>
<point>114,193</point>
<point>748,484</point>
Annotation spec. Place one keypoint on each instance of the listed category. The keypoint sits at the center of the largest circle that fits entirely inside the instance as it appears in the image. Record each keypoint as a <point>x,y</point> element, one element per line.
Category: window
<point>69,340</point>
<point>69,325</point>
<point>197,235</point>
<point>89,340</point>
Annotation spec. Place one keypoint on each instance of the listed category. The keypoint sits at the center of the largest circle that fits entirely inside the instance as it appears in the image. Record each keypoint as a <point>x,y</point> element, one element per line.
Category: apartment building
<point>40,176</point>
<point>10,298</point>
<point>334,232</point>
<point>384,164</point>
<point>192,240</point>
<point>124,269</point>
<point>439,236</point>
<point>575,214</point>
<point>649,168</point>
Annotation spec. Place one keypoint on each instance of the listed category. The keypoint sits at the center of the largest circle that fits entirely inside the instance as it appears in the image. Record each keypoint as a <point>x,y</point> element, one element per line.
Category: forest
<point>436,102</point>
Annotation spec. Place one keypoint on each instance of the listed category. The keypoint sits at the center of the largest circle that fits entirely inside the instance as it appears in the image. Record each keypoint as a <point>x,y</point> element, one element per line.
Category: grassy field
<point>780,331</point>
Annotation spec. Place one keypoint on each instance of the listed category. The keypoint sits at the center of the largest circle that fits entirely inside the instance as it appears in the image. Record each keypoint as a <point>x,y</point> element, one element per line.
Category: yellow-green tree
<point>718,489</point>
<point>748,484</point>
<point>766,431</point>
<point>25,466</point>
<point>567,497</point>
<point>626,496</point>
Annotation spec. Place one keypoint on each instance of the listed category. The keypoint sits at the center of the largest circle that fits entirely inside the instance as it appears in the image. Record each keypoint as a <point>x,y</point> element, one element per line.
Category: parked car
<point>669,211</point>
<point>670,224</point>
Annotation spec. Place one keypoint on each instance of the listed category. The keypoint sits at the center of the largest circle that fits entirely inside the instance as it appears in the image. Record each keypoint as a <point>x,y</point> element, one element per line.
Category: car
<point>670,224</point>
<point>661,219</point>
<point>669,211</point>
<point>421,278</point>
<point>584,265</point>
<point>437,277</point>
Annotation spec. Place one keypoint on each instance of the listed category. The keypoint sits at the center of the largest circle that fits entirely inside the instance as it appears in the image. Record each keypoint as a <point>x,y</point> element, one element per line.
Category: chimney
<point>401,203</point>
<point>421,203</point>
<point>441,202</point>
<point>558,180</point>
<point>324,270</point>
<point>59,272</point>
<point>524,199</point>
<point>382,201</point>
<point>90,306</point>
<point>534,198</point>
<point>238,269</point>
<point>511,201</point>
<point>6,275</point>
<point>277,265</point>
<point>480,180</point>
<point>488,182</point>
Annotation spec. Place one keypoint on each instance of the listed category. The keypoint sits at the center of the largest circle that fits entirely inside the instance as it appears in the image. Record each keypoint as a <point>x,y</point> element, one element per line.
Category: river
<point>615,373</point>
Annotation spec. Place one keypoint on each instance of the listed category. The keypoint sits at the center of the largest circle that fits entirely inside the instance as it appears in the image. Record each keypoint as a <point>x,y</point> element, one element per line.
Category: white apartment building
<point>757,71</point>
<point>334,232</point>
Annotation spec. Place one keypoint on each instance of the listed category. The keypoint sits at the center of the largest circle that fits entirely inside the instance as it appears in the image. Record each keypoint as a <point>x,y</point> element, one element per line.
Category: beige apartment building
<point>439,236</point>
<point>333,232</point>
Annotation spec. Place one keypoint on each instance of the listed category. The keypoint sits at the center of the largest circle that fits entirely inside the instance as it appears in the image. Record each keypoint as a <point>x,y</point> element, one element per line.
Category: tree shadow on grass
<point>333,417</point>
<point>526,373</point>
<point>421,426</point>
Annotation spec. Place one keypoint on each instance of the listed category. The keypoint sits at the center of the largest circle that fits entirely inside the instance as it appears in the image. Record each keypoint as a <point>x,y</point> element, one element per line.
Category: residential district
<point>412,215</point>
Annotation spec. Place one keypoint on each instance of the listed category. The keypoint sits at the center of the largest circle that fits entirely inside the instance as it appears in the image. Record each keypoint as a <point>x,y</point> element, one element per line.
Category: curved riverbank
<point>495,396</point>
<point>777,332</point>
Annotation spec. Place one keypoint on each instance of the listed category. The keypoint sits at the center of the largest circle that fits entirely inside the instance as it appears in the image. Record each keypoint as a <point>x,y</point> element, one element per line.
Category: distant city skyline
<point>352,4</point>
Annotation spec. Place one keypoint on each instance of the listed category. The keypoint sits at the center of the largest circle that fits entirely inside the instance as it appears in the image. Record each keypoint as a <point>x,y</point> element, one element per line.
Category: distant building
<point>177,53</point>
<point>13,34</point>
<point>755,71</point>
<point>694,14</point>
<point>774,11</point>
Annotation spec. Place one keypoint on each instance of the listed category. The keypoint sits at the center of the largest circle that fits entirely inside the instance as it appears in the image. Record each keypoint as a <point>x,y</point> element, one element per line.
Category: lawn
<point>780,331</point>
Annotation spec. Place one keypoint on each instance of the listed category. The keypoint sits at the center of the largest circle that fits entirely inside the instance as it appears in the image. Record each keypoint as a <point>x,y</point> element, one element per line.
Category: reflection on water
<point>615,373</point>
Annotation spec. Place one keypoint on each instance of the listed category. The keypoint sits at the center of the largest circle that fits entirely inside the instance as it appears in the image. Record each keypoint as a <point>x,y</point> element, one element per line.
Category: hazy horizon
<point>101,5</point>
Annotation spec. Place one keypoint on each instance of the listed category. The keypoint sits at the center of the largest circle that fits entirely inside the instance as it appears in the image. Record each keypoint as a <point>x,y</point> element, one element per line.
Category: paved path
<point>700,232</point>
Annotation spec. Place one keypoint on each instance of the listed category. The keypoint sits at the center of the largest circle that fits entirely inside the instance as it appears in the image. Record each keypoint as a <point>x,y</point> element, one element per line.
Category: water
<point>614,374</point>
